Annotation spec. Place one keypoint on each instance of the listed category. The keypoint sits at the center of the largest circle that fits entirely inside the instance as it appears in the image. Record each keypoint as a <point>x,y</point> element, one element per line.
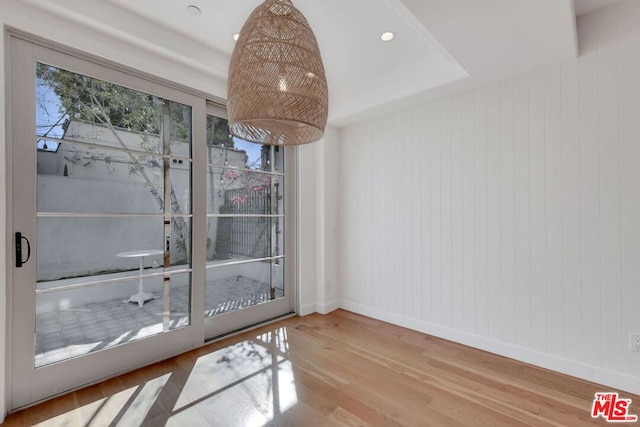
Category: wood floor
<point>338,369</point>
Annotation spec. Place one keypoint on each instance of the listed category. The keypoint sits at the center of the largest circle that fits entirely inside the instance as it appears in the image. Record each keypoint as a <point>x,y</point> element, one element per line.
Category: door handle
<point>18,242</point>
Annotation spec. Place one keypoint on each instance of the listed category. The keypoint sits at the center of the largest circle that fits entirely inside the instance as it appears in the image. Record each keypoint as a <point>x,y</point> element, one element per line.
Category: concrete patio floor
<point>74,331</point>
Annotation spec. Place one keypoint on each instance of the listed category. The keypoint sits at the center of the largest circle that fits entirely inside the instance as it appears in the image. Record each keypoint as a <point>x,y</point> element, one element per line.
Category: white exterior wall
<point>506,217</point>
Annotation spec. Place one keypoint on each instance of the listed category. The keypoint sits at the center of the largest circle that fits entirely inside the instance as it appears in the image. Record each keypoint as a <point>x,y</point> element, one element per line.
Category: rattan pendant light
<point>277,89</point>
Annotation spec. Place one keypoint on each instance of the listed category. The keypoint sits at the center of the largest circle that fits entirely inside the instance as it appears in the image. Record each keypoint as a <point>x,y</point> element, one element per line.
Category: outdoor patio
<point>82,329</point>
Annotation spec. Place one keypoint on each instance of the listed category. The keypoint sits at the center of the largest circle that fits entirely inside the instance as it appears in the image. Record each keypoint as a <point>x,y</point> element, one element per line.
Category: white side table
<point>141,296</point>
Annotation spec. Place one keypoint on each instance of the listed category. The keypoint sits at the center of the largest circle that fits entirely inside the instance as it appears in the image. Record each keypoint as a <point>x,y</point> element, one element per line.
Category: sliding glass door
<point>140,228</point>
<point>247,214</point>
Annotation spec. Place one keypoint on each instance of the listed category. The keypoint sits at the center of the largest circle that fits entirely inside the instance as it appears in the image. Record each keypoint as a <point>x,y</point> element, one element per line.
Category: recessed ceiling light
<point>387,36</point>
<point>235,37</point>
<point>194,10</point>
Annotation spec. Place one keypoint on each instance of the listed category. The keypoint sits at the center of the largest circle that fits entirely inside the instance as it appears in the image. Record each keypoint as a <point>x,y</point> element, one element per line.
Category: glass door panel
<point>114,185</point>
<point>244,231</point>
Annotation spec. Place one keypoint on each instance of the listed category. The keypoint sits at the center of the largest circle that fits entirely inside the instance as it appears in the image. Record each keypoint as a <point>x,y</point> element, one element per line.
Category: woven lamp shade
<point>277,88</point>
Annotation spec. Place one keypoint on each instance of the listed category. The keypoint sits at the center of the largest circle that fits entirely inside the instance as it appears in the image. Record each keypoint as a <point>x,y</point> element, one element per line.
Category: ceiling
<point>440,46</point>
<point>585,6</point>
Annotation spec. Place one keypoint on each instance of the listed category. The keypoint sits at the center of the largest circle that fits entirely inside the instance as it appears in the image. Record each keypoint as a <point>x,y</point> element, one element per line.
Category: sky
<point>252,150</point>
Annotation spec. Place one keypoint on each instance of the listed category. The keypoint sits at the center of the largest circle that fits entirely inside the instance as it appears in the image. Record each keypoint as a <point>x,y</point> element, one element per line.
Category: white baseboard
<point>543,360</point>
<point>328,307</point>
<point>307,309</point>
<point>319,308</point>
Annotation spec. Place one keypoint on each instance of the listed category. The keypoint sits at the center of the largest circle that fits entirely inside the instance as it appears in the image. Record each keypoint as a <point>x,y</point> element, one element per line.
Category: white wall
<point>507,217</point>
<point>307,232</point>
<point>328,284</point>
<point>318,225</point>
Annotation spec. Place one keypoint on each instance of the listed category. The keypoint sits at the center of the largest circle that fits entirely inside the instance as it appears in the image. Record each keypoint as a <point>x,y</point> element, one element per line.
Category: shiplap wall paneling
<point>445,210</point>
<point>417,159</point>
<point>457,259</point>
<point>370,288</point>
<point>435,202</point>
<point>425,203</point>
<point>522,250</point>
<point>384,204</point>
<point>405,221</point>
<point>394,218</point>
<point>397,214</point>
<point>630,197</point>
<point>507,213</point>
<point>380,205</point>
<point>571,217</point>
<point>365,227</point>
<point>590,209</point>
<point>629,105</point>
<point>481,213</point>
<point>374,212</point>
<point>494,269</point>
<point>468,213</point>
<point>553,211</point>
<point>381,234</point>
<point>537,216</point>
<point>609,156</point>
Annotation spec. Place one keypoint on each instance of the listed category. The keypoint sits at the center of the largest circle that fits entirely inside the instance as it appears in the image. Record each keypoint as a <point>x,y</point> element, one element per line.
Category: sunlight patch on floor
<point>249,382</point>
<point>137,411</point>
<point>100,412</point>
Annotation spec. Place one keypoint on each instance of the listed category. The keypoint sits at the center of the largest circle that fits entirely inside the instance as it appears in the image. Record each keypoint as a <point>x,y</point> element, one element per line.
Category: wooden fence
<point>249,236</point>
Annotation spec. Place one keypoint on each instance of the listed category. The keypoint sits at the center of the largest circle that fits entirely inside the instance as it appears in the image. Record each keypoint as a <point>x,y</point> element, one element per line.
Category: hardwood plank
<point>341,369</point>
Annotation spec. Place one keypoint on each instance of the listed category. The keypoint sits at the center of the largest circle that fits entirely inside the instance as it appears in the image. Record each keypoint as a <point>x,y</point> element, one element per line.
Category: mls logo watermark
<point>612,408</point>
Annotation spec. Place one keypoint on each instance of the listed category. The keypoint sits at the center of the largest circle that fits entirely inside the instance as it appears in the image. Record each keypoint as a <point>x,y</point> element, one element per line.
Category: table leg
<point>140,286</point>
<point>141,296</point>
